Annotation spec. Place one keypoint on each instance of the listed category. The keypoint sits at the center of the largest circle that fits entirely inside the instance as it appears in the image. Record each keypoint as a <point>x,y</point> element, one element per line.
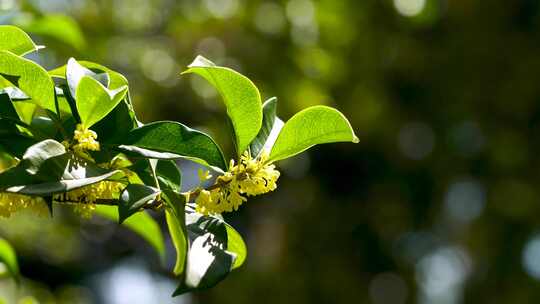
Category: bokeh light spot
<point>416,140</point>
<point>465,200</point>
<point>409,8</point>
<point>270,18</point>
<point>531,257</point>
<point>222,9</point>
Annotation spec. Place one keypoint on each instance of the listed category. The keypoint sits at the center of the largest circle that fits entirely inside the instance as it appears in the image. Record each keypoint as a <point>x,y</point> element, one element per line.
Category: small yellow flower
<point>86,140</point>
<point>84,198</point>
<point>207,201</point>
<point>249,178</point>
<point>11,203</point>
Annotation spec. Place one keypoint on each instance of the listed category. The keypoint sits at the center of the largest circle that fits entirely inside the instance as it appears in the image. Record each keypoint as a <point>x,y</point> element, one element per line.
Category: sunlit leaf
<point>177,228</point>
<point>94,101</point>
<point>208,260</point>
<point>46,169</point>
<point>75,72</point>
<point>31,78</point>
<point>15,40</point>
<point>117,80</point>
<point>176,138</point>
<point>117,124</point>
<point>236,245</point>
<point>270,129</point>
<point>309,127</point>
<point>241,97</point>
<point>8,257</point>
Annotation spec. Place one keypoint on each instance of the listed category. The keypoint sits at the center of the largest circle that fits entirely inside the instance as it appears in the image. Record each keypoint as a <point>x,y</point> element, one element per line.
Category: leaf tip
<point>355,139</point>
<point>201,61</point>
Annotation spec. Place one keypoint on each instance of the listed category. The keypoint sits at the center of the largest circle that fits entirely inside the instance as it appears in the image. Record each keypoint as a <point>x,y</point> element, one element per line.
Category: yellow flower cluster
<point>84,198</point>
<point>86,140</point>
<point>249,178</point>
<point>11,203</point>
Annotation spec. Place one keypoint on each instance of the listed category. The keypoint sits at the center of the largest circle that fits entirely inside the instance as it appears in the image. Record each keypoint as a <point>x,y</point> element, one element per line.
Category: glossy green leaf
<point>117,124</point>
<point>309,127</point>
<point>176,138</point>
<point>94,101</point>
<point>174,214</point>
<point>25,110</point>
<point>208,260</point>
<point>37,154</point>
<point>7,111</point>
<point>168,175</point>
<point>15,93</point>
<point>236,245</point>
<point>31,78</point>
<point>133,198</point>
<point>270,129</point>
<point>15,40</point>
<point>241,97</point>
<point>46,169</point>
<point>16,144</point>
<point>117,80</point>
<point>141,223</point>
<point>17,119</point>
<point>60,27</point>
<point>8,257</point>
<point>75,72</point>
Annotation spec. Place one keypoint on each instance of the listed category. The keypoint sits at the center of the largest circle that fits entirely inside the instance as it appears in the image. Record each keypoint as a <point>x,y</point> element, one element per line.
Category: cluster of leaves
<point>40,111</point>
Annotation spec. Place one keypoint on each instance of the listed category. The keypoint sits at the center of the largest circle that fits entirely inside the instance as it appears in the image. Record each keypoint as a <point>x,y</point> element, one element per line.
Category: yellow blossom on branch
<point>84,198</point>
<point>84,140</point>
<point>249,178</point>
<point>12,202</point>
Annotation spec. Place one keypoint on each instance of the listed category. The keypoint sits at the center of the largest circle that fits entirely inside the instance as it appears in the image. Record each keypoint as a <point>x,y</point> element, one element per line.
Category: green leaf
<point>16,144</point>
<point>177,228</point>
<point>37,154</point>
<point>168,175</point>
<point>25,110</point>
<point>117,80</point>
<point>46,169</point>
<point>270,129</point>
<point>43,127</point>
<point>133,198</point>
<point>60,27</point>
<point>28,76</point>
<point>15,40</point>
<point>241,97</point>
<point>75,72</point>
<point>309,127</point>
<point>8,257</point>
<point>176,138</point>
<point>94,101</point>
<point>7,111</point>
<point>15,93</point>
<point>17,119</point>
<point>236,245</point>
<point>117,124</point>
<point>141,223</point>
<point>208,260</point>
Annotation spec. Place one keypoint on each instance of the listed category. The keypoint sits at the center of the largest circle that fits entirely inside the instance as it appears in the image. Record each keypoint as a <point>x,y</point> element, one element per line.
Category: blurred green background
<point>439,202</point>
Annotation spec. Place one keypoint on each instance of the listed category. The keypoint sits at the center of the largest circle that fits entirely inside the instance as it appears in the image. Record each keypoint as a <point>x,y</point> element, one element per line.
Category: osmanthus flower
<point>84,199</point>
<point>251,177</point>
<point>84,140</point>
<point>12,202</point>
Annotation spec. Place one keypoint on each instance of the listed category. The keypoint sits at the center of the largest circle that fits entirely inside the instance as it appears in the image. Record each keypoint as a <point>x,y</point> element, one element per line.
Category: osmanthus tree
<point>73,138</point>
